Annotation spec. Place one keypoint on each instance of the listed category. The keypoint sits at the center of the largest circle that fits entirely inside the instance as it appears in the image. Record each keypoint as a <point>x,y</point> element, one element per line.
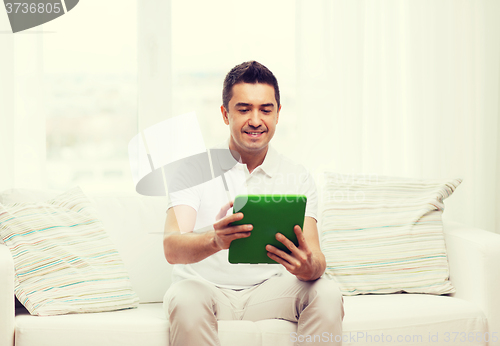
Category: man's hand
<point>224,233</point>
<point>182,245</point>
<point>304,262</point>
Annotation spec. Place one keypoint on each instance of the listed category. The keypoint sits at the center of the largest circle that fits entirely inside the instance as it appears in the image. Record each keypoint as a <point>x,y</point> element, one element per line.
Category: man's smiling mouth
<point>254,133</point>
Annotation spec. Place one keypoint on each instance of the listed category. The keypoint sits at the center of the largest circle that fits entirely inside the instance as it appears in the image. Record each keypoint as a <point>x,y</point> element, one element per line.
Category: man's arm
<point>306,261</point>
<point>182,245</point>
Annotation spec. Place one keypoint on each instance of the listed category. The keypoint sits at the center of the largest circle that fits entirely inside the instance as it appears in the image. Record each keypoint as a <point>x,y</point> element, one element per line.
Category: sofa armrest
<point>474,258</point>
<point>7,325</point>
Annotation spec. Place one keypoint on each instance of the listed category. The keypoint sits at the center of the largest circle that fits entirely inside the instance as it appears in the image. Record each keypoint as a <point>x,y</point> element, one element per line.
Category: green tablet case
<point>268,214</point>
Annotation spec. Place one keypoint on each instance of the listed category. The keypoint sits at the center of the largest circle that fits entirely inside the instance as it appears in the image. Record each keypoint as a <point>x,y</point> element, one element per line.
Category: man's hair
<point>248,72</point>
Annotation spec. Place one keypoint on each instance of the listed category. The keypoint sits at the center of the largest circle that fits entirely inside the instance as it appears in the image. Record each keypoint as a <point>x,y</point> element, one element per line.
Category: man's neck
<point>251,159</point>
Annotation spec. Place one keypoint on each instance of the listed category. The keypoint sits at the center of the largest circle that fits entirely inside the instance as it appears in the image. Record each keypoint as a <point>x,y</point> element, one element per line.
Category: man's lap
<point>282,297</point>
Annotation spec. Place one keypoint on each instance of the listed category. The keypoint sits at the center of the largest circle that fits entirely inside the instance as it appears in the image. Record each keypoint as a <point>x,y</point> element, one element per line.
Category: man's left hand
<point>300,262</point>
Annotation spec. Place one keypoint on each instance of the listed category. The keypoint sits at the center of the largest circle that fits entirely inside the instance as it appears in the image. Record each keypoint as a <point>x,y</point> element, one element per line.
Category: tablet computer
<point>269,214</point>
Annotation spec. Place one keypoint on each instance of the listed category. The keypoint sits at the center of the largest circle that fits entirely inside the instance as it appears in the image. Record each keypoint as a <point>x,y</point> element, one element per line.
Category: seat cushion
<point>410,319</point>
<point>405,317</point>
<point>146,325</point>
<point>367,317</point>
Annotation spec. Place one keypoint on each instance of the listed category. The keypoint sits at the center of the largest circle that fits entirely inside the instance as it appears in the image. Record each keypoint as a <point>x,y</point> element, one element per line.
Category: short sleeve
<point>184,179</point>
<point>190,197</point>
<point>308,188</point>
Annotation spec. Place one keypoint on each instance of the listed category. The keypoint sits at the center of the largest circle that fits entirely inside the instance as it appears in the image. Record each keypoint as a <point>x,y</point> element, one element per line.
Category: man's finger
<point>227,220</point>
<point>234,230</point>
<point>281,254</point>
<point>300,236</point>
<point>289,262</point>
<point>239,235</point>
<point>223,211</point>
<point>227,206</point>
<point>279,260</point>
<point>287,242</point>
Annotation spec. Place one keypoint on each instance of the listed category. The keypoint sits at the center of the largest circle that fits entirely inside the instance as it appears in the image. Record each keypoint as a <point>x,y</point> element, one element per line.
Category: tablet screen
<point>269,214</point>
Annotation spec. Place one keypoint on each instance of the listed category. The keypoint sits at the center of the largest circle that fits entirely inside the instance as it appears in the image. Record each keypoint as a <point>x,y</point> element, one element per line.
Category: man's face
<point>252,116</point>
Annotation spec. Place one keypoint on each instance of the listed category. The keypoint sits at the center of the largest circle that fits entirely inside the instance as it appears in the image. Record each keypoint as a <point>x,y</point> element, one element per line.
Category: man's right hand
<point>224,232</point>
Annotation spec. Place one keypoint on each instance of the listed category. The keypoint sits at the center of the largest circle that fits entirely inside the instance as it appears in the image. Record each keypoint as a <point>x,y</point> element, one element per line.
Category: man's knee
<point>327,296</point>
<point>189,306</point>
<point>187,296</point>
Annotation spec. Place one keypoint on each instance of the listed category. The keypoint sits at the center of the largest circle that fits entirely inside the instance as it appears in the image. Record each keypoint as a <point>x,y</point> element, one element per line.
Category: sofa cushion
<point>367,317</point>
<point>385,234</point>
<point>63,258</point>
<point>393,319</point>
<point>146,325</point>
<point>412,319</point>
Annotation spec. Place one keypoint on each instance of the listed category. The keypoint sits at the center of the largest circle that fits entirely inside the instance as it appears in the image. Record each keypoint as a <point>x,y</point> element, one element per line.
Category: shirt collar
<point>269,166</point>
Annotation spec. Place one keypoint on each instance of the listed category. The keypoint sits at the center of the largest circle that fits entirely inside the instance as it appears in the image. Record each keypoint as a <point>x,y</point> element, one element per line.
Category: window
<point>110,69</point>
<point>90,79</point>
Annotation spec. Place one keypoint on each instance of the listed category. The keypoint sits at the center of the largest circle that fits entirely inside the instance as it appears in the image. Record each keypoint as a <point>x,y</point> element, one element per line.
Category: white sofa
<point>135,224</point>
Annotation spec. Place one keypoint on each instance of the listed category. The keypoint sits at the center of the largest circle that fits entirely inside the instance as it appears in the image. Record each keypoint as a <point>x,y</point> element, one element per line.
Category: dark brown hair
<point>248,72</point>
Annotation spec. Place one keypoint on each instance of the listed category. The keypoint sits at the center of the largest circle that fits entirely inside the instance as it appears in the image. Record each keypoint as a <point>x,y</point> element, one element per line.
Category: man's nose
<point>254,119</point>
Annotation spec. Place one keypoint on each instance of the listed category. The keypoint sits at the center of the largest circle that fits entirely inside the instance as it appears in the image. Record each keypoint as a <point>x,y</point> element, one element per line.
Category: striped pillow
<point>385,235</point>
<point>63,258</point>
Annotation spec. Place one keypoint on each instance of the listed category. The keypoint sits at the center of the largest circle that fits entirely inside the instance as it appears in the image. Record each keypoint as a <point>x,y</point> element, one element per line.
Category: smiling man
<point>198,232</point>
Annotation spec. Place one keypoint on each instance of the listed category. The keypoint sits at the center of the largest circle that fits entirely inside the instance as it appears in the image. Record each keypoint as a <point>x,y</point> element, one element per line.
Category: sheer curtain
<point>404,88</point>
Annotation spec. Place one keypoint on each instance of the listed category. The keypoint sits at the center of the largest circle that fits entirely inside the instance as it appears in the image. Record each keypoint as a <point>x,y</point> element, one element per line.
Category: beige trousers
<point>193,308</point>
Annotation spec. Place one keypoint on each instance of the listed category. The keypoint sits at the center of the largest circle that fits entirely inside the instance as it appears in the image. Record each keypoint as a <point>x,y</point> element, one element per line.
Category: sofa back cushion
<point>385,234</point>
<point>135,225</point>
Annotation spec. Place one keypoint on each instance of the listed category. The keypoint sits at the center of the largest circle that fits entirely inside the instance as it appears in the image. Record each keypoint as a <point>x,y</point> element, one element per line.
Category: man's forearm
<point>188,247</point>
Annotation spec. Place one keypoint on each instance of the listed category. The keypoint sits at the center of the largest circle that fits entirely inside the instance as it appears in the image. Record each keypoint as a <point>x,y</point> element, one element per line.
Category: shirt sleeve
<point>190,197</point>
<point>184,179</point>
<point>308,188</point>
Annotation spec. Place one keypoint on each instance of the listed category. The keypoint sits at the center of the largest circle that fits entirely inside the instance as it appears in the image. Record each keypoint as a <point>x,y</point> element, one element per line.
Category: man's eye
<point>266,111</point>
<point>243,110</point>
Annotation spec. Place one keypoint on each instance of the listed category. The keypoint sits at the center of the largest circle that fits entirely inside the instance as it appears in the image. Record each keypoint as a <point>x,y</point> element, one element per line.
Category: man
<point>198,233</point>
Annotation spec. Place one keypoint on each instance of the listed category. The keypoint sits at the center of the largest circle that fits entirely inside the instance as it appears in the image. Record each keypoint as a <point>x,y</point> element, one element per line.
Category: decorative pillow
<point>384,234</point>
<point>63,258</point>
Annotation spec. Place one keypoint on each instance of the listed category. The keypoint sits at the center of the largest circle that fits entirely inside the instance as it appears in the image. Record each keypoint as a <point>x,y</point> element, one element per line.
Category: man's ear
<point>278,114</point>
<point>224,114</point>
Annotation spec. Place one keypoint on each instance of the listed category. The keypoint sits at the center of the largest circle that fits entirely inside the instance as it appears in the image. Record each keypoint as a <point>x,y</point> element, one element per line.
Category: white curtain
<point>404,88</point>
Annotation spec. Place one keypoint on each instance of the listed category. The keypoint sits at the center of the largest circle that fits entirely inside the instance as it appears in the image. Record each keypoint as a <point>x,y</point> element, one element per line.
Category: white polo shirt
<point>276,175</point>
